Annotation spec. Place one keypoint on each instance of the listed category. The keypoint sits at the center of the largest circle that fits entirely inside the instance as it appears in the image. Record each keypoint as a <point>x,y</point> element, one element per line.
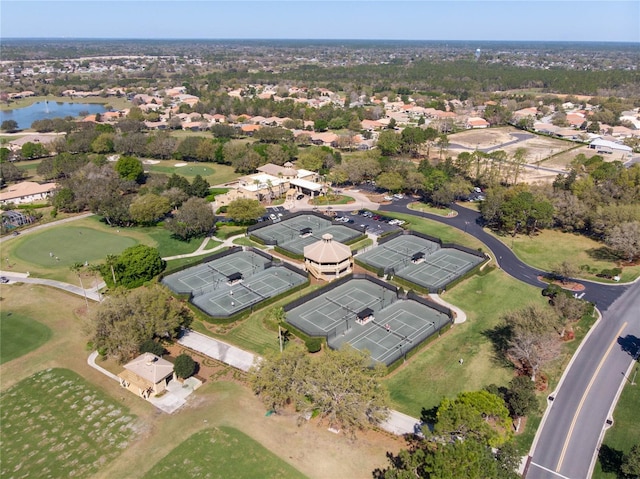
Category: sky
<point>524,20</point>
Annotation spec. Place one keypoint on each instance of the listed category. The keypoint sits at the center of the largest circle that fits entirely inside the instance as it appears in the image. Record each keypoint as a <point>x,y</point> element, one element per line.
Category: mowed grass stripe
<point>56,424</point>
<point>222,453</point>
<point>19,334</point>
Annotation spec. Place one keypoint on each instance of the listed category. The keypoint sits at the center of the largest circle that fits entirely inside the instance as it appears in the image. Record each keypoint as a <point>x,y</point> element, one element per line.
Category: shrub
<point>313,344</point>
<point>184,366</point>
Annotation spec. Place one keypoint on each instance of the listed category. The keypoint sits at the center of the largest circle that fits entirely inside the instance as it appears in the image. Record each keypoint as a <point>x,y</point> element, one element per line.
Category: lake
<point>48,109</point>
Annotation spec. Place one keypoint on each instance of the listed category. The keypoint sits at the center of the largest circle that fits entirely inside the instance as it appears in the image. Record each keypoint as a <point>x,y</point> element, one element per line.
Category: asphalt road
<point>568,439</point>
<point>572,429</point>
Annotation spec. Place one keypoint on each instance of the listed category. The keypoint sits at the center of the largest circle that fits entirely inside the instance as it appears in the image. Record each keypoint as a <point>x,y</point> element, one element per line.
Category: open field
<point>548,248</point>
<point>309,448</point>
<point>222,453</point>
<point>625,431</point>
<point>56,424</point>
<point>19,334</point>
<point>86,239</point>
<point>214,173</point>
<point>435,372</point>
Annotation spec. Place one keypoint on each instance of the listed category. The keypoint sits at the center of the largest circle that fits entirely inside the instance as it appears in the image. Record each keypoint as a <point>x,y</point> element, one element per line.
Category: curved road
<point>572,428</point>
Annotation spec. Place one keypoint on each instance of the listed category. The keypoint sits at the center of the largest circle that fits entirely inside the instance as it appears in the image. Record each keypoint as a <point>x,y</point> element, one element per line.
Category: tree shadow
<point>630,344</point>
<point>611,460</point>
<point>428,416</point>
<point>603,253</point>
<point>499,337</point>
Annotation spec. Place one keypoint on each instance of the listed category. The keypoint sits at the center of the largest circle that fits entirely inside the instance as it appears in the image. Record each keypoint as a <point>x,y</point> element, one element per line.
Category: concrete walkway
<point>461,317</point>
<point>92,294</point>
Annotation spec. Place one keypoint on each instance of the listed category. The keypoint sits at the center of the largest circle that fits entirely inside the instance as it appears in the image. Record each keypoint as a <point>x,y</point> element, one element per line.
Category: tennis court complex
<point>421,261</point>
<point>369,315</point>
<point>234,282</point>
<point>296,232</point>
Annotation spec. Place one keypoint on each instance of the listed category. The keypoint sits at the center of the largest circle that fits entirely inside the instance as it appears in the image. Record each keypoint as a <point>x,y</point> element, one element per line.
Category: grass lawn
<point>625,431</point>
<point>214,173</point>
<point>224,232</point>
<point>427,208</point>
<point>361,244</point>
<point>549,248</point>
<point>222,453</point>
<point>19,334</point>
<point>56,424</point>
<point>244,241</point>
<point>86,239</point>
<point>446,233</point>
<point>332,200</point>
<point>435,372</point>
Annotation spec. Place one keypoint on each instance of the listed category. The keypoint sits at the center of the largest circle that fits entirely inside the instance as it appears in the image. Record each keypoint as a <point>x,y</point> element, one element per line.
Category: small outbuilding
<point>417,257</point>
<point>147,375</point>
<point>365,316</point>
<point>327,259</point>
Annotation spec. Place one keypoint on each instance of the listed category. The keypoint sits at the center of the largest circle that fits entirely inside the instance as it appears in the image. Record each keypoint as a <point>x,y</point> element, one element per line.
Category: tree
<point>245,210</point>
<point>184,366</point>
<point>149,209</point>
<point>521,398</point>
<point>130,168</point>
<point>10,172</point>
<point>388,142</point>
<point>126,319</point>
<point>624,239</point>
<point>9,126</point>
<point>103,143</point>
<point>340,386</point>
<point>478,415</point>
<point>392,181</point>
<point>33,150</point>
<point>194,218</point>
<point>565,270</point>
<point>199,187</point>
<point>631,462</point>
<point>533,337</point>
<point>135,266</point>
<point>153,347</point>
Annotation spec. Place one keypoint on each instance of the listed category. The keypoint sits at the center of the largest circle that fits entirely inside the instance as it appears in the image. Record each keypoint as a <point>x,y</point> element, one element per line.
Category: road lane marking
<point>548,470</point>
<point>584,396</point>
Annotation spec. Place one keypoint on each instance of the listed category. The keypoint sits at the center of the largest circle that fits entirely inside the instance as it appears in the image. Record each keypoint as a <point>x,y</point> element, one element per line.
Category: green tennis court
<point>421,261</point>
<point>293,234</point>
<point>230,284</point>
<point>370,316</point>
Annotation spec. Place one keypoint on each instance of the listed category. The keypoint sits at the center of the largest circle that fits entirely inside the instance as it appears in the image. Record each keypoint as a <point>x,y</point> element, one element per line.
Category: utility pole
<point>280,337</point>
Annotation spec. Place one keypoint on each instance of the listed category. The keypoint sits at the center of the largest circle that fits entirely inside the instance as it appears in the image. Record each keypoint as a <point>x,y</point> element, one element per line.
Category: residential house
<point>26,192</point>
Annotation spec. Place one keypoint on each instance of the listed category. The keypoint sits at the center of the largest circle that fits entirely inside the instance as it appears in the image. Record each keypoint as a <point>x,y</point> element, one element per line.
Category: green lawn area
<point>244,241</point>
<point>549,248</point>
<point>361,244</point>
<point>224,232</point>
<point>214,173</point>
<point>436,372</point>
<point>19,334</point>
<point>446,233</point>
<point>56,424</point>
<point>222,453</point>
<point>426,208</point>
<point>625,431</point>
<point>332,200</point>
<point>86,239</point>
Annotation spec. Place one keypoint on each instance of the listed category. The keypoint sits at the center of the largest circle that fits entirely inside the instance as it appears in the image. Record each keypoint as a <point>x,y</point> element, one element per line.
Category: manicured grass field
<point>549,248</point>
<point>214,173</point>
<point>436,372</point>
<point>625,431</point>
<point>55,424</point>
<point>86,239</point>
<point>222,453</point>
<point>425,208</point>
<point>19,334</point>
<point>62,246</point>
<point>332,200</point>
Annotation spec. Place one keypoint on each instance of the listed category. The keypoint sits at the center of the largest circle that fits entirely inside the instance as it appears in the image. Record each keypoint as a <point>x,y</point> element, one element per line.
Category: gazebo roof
<point>327,251</point>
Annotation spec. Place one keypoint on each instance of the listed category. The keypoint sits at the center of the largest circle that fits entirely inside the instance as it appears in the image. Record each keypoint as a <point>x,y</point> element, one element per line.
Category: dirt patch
<point>208,368</point>
<point>569,285</point>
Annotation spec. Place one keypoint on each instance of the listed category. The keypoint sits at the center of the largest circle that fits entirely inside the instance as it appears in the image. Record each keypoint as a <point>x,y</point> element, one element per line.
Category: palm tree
<point>111,261</point>
<point>77,268</point>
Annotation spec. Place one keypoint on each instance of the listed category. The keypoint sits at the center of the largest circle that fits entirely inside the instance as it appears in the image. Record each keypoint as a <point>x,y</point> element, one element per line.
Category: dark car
<point>4,279</point>
<point>299,197</point>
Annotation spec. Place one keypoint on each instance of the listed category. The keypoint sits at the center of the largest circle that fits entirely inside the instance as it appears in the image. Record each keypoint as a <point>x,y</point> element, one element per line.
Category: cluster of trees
<point>133,267</point>
<point>340,387</point>
<point>469,436</point>
<point>127,319</point>
<point>125,196</point>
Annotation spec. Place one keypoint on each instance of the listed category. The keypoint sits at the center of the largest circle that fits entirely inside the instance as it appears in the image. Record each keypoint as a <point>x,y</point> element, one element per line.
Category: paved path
<point>92,293</point>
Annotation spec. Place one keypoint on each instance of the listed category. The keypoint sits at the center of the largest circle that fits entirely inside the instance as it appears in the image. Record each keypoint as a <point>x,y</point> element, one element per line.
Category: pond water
<point>48,109</point>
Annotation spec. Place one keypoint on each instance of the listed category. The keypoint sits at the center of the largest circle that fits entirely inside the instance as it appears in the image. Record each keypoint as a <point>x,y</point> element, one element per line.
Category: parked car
<point>273,217</point>
<point>4,279</point>
<point>388,198</point>
<point>299,197</point>
<point>398,196</point>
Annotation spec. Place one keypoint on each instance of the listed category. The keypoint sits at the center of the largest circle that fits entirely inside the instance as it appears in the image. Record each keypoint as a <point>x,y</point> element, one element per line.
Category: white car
<point>273,217</point>
<point>388,198</point>
<point>398,196</point>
